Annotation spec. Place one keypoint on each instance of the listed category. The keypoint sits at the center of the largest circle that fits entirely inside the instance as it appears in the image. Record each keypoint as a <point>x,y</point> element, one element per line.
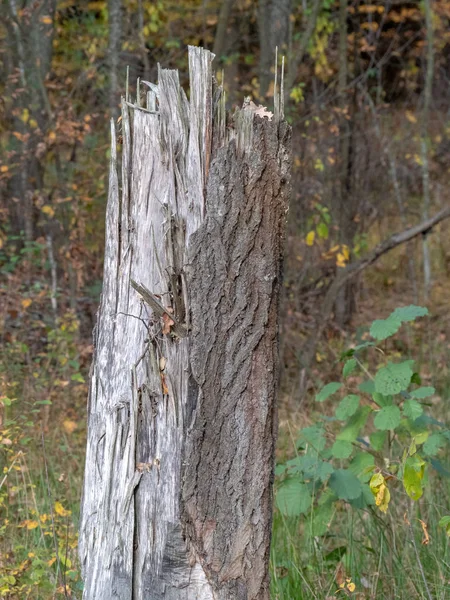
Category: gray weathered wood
<point>181,431</point>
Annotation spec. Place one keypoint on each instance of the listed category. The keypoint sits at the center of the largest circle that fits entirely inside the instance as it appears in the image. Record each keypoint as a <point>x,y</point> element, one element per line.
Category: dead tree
<point>181,427</point>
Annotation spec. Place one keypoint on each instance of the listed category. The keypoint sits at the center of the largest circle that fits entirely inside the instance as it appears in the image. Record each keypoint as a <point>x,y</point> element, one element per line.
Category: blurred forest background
<point>367,92</point>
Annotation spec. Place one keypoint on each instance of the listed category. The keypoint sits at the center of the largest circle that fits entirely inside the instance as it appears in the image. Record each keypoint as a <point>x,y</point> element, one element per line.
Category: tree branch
<point>357,267</point>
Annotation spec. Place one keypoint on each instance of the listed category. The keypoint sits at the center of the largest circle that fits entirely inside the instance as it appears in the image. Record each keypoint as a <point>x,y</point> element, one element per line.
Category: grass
<point>384,556</point>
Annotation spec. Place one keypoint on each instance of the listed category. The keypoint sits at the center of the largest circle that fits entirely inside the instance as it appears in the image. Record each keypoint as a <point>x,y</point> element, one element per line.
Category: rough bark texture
<point>177,493</point>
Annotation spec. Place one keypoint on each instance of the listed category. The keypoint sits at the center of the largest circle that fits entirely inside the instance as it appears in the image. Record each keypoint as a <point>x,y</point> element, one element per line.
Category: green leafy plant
<point>379,442</point>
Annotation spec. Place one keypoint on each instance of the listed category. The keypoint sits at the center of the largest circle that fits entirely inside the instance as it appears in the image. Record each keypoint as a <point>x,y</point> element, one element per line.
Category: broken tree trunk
<point>181,418</point>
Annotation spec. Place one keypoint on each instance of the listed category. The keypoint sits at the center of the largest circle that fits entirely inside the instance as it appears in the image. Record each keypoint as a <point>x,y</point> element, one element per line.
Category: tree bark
<point>181,431</point>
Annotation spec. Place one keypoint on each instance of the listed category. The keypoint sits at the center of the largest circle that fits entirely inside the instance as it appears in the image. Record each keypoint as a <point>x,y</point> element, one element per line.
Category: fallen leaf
<point>69,426</point>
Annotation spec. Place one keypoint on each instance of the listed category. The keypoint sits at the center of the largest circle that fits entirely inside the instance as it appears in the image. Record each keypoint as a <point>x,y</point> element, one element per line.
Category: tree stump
<point>177,498</point>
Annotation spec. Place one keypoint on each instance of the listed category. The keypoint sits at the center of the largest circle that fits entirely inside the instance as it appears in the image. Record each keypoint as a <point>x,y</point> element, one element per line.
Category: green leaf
<point>280,470</point>
<point>345,484</point>
<point>409,313</point>
<point>384,328</point>
<point>394,378</point>
<point>413,473</point>
<point>423,392</point>
<point>362,466</point>
<point>311,466</point>
<point>412,409</point>
<point>350,432</point>
<point>367,387</point>
<point>347,407</point>
<point>377,440</point>
<point>322,516</point>
<point>433,444</point>
<point>293,498</point>
<point>381,400</point>
<point>444,522</point>
<point>322,230</point>
<point>341,449</point>
<point>313,436</point>
<point>349,366</point>
<point>328,390</point>
<point>77,377</point>
<point>388,417</point>
<point>365,499</point>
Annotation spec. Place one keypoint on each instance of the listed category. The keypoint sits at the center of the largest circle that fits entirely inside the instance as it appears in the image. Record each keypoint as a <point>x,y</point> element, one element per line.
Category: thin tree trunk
<point>296,55</point>
<point>222,24</point>
<point>424,143</point>
<point>274,27</point>
<point>345,301</point>
<point>177,492</point>
<point>114,47</point>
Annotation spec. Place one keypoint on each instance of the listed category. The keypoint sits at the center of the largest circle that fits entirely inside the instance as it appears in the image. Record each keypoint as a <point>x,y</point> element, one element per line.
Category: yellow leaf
<point>52,136</point>
<point>340,260</point>
<point>4,168</point>
<point>33,123</point>
<point>46,19</point>
<point>32,524</point>
<point>380,490</point>
<point>26,302</point>
<point>61,511</point>
<point>351,587</point>
<point>48,210</point>
<point>411,116</point>
<point>51,561</point>
<point>345,252</point>
<point>69,426</point>
<point>25,115</point>
<point>310,238</point>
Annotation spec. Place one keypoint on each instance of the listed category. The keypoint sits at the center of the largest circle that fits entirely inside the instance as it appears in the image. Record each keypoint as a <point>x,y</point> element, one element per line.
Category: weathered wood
<point>181,431</point>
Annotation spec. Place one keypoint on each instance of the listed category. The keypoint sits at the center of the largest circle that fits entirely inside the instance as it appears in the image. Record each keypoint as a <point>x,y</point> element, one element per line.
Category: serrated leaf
<point>377,440</point>
<point>349,366</point>
<point>423,392</point>
<point>384,328</point>
<point>362,465</point>
<point>394,378</point>
<point>388,417</point>
<point>412,409</point>
<point>364,500</point>
<point>328,390</point>
<point>313,436</point>
<point>409,313</point>
<point>345,484</point>
<point>413,473</point>
<point>433,444</point>
<point>341,449</point>
<point>356,422</point>
<point>347,407</point>
<point>293,498</point>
